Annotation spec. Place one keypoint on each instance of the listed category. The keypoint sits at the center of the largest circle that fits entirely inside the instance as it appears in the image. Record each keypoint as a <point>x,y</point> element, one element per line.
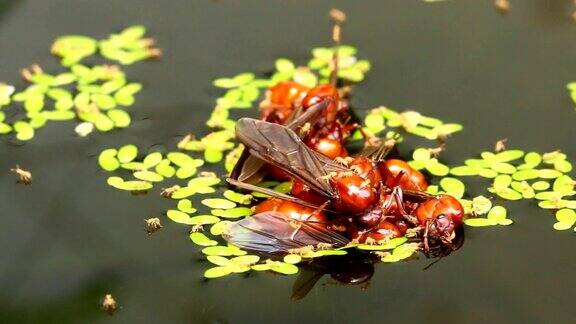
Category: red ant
<point>353,190</point>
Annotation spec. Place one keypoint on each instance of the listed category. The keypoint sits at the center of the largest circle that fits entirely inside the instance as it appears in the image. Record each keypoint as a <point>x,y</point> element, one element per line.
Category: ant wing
<point>249,169</point>
<point>277,233</point>
<point>280,146</point>
<point>270,192</point>
<point>420,195</point>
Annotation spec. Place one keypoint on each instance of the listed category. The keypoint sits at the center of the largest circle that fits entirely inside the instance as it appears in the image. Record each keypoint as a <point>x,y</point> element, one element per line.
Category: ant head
<point>442,229</point>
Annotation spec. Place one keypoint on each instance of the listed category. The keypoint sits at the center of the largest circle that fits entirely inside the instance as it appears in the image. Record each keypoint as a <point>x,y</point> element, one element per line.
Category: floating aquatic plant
<point>95,95</point>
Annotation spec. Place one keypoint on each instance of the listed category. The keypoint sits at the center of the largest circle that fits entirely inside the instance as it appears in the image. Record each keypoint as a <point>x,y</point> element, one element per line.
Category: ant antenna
<point>338,17</point>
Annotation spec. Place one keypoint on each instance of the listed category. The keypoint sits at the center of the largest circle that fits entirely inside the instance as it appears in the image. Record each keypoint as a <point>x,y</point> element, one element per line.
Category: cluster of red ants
<point>367,198</point>
<point>336,198</point>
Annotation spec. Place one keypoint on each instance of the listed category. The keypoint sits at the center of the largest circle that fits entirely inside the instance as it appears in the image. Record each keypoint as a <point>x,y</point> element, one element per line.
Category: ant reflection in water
<point>356,268</point>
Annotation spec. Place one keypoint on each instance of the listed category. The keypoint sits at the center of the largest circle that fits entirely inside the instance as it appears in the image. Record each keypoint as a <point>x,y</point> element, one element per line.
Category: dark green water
<point>69,238</point>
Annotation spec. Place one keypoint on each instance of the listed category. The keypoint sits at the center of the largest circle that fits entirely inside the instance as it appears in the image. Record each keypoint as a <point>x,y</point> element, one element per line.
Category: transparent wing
<point>250,169</point>
<point>275,233</point>
<point>280,146</point>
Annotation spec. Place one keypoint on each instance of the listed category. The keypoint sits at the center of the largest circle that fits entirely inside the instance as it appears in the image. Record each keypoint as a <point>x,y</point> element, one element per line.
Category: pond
<point>69,238</point>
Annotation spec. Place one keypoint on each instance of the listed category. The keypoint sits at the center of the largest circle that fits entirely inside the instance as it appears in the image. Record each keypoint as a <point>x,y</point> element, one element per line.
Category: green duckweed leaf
<point>164,168</point>
<point>245,260</point>
<point>436,168</point>
<point>305,77</point>
<point>552,157</point>
<point>37,120</point>
<point>564,184</point>
<point>5,128</point>
<point>73,48</point>
<point>217,272</point>
<point>283,268</point>
<point>179,216</point>
<point>497,213</point>
<point>509,194</point>
<point>223,250</point>
<point>503,167</point>
<point>261,267</point>
<point>478,163</point>
<point>400,253</point>
<point>213,156</point>
<point>541,185</point>
<point>183,192</point>
<point>526,174</point>
<point>185,172</point>
<point>508,155</point>
<point>421,154</point>
<point>422,132</point>
<point>148,176</point>
<point>524,188</point>
<point>375,122</point>
<point>481,205</point>
<point>225,83</point>
<point>237,197</point>
<point>204,220</point>
<point>447,129</point>
<point>487,173</point>
<point>24,131</point>
<point>120,118</point>
<point>185,205</point>
<point>58,115</point>
<point>134,166</point>
<point>461,171</point>
<point>531,160</point>
<point>432,189</point>
<point>322,253</point>
<point>566,219</point>
<point>292,259</point>
<point>563,166</point>
<point>284,65</point>
<point>103,101</point>
<point>206,181</point>
<point>107,160</point>
<point>152,159</point>
<point>557,204</point>
<point>551,195</point>
<point>201,239</point>
<point>549,173</point>
<point>233,212</point>
<point>219,228</point>
<point>134,185</point>
<point>184,160</point>
<point>453,187</point>
<point>218,203</point>
<point>501,182</point>
<point>127,153</point>
<point>430,121</point>
<point>480,222</point>
<point>218,260</point>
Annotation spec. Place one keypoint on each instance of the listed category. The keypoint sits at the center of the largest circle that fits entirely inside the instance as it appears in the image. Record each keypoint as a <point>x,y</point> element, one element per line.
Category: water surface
<point>69,238</point>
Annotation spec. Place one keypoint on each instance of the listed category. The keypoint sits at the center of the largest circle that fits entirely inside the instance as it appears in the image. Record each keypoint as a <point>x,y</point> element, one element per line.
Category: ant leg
<point>426,244</point>
<point>397,194</point>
